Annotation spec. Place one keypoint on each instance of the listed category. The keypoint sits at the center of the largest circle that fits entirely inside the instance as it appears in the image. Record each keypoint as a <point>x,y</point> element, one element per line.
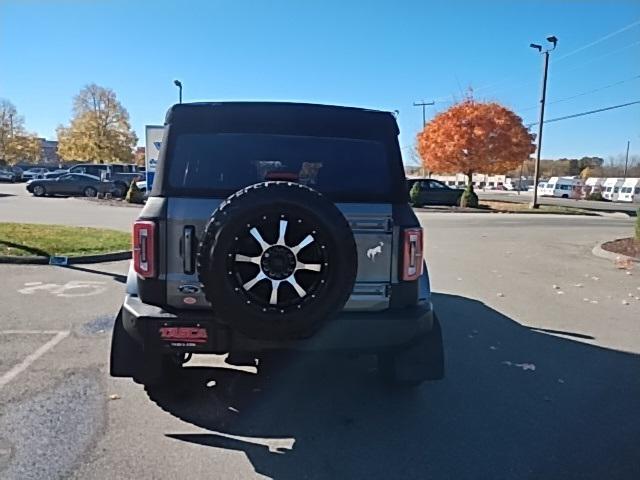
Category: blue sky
<point>377,54</point>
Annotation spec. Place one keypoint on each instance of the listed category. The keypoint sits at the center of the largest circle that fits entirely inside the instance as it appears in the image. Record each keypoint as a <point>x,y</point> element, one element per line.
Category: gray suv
<point>277,226</point>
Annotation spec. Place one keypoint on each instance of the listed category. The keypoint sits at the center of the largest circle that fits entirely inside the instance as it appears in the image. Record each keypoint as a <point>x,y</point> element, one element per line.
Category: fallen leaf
<point>500,294</point>
<point>560,292</point>
<point>555,287</point>
<point>585,299</point>
<point>625,302</point>
<point>595,278</point>
<point>579,285</point>
<point>594,301</point>
<point>114,396</point>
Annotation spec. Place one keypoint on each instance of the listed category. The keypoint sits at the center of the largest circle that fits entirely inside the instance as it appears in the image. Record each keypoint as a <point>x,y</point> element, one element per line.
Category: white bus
<point>592,185</point>
<point>630,190</point>
<point>611,188</point>
<point>563,187</point>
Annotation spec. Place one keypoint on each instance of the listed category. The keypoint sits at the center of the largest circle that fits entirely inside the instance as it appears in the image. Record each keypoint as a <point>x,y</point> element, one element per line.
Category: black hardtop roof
<point>254,116</point>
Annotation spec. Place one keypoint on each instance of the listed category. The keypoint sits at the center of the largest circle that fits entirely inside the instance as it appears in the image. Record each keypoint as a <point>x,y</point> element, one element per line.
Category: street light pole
<point>626,160</point>
<point>543,98</point>
<point>178,84</point>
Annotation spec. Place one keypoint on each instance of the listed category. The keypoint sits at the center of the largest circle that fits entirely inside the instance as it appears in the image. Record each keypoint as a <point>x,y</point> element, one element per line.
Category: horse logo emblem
<point>373,252</point>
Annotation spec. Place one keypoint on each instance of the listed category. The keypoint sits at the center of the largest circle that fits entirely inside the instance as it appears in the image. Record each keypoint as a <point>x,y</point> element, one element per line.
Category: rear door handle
<point>188,237</point>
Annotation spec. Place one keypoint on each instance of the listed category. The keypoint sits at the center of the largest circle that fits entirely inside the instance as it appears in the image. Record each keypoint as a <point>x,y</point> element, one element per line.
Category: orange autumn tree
<point>474,136</point>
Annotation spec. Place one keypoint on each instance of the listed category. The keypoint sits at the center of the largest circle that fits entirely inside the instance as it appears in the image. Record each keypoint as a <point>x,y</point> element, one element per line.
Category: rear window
<point>222,163</point>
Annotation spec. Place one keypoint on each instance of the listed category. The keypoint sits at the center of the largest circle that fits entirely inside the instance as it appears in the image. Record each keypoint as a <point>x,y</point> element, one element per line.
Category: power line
<point>509,79</point>
<point>582,114</point>
<point>565,99</point>
<point>600,40</point>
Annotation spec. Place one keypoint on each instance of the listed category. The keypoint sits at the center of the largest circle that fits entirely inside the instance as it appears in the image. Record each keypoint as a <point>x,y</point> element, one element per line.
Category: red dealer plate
<point>183,336</point>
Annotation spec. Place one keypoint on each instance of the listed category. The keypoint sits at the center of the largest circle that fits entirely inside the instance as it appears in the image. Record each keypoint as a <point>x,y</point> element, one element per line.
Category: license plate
<point>183,336</point>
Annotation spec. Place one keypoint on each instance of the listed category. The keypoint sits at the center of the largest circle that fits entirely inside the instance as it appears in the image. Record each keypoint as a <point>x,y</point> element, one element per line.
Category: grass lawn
<point>524,208</point>
<point>20,239</point>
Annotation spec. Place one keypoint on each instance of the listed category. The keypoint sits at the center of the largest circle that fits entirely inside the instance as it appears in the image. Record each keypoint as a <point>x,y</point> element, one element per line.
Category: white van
<point>611,188</point>
<point>563,187</point>
<point>592,185</point>
<point>630,190</point>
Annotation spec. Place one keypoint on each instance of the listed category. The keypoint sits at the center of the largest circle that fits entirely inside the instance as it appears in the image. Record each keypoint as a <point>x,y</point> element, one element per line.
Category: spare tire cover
<point>276,260</point>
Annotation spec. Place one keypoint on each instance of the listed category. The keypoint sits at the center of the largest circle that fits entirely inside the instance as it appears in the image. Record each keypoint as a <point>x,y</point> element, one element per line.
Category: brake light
<point>412,254</point>
<point>144,248</point>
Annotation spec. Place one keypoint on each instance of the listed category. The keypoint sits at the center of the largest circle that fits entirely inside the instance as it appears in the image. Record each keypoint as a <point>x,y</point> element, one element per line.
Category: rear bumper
<point>349,331</point>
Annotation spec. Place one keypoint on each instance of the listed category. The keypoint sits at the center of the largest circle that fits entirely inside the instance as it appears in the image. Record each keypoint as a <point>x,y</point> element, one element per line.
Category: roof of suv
<point>284,116</point>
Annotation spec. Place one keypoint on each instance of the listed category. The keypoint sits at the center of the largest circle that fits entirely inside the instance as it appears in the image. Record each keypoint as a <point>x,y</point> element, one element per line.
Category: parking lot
<point>543,371</point>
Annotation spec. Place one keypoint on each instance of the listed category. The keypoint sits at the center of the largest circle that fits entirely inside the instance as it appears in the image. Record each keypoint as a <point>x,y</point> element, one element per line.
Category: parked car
<point>435,192</point>
<point>55,173</point>
<point>336,244</point>
<point>73,184</point>
<point>122,174</point>
<point>34,173</point>
<point>7,176</point>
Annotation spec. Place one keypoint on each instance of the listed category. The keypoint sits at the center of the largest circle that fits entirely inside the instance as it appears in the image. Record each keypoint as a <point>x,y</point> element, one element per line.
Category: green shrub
<point>638,225</point>
<point>134,195</point>
<point>595,196</point>
<point>414,194</point>
<point>469,197</point>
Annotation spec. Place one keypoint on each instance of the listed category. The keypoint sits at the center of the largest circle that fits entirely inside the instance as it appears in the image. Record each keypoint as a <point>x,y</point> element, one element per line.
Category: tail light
<point>144,248</point>
<point>412,254</point>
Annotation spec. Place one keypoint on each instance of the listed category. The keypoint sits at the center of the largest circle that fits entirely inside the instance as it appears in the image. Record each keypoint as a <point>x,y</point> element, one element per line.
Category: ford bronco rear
<point>277,226</point>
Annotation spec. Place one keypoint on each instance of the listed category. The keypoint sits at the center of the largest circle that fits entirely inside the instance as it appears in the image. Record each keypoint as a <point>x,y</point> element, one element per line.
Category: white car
<point>34,173</point>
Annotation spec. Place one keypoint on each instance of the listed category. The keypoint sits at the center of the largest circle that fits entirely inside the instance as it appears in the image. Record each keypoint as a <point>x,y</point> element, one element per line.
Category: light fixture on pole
<point>178,84</point>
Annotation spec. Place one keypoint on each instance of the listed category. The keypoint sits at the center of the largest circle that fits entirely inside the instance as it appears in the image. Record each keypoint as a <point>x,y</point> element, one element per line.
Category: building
<point>49,152</point>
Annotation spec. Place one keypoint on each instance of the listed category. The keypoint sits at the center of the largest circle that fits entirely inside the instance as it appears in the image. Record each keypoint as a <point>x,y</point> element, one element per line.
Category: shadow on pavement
<point>116,276</point>
<point>6,195</point>
<point>32,250</point>
<point>516,403</point>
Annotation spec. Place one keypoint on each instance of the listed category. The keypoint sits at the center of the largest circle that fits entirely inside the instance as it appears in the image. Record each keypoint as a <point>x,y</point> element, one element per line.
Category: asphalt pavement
<point>18,205</point>
<point>543,375</point>
<point>526,197</point>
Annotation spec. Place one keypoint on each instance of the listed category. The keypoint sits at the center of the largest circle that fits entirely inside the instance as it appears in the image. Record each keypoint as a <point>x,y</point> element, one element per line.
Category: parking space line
<point>29,332</point>
<point>22,366</point>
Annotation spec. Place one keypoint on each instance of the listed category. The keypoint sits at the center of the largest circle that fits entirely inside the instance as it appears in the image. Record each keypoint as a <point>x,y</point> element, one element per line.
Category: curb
<point>598,251</point>
<point>33,260</point>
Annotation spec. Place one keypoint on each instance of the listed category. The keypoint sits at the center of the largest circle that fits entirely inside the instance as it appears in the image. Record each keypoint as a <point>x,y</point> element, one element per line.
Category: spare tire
<point>276,260</point>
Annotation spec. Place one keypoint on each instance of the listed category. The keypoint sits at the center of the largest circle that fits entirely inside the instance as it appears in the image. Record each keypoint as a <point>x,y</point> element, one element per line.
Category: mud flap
<point>126,354</point>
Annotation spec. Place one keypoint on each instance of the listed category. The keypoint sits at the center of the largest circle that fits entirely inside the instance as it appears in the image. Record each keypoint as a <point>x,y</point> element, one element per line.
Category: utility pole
<point>423,104</point>
<point>626,160</point>
<point>543,98</point>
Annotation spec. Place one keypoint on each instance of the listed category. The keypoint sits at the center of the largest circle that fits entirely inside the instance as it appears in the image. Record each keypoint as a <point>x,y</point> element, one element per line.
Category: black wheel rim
<point>279,262</point>
<point>90,192</point>
<point>38,190</point>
